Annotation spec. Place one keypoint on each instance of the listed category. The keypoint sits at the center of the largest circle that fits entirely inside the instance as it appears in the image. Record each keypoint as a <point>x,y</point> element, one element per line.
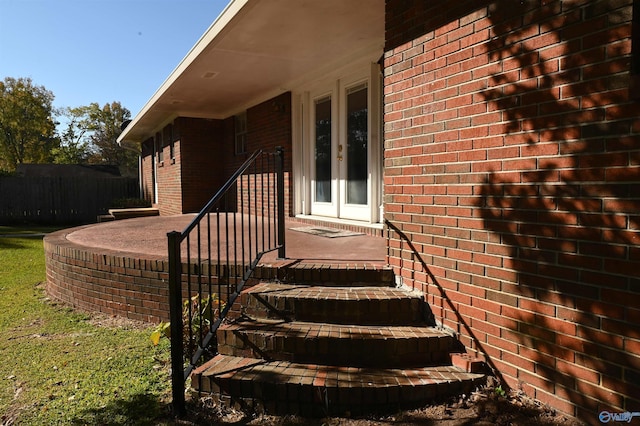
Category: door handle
<point>340,152</point>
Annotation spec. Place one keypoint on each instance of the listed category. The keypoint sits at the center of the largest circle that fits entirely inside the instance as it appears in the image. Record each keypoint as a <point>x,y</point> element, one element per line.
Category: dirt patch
<point>112,321</point>
<point>488,406</point>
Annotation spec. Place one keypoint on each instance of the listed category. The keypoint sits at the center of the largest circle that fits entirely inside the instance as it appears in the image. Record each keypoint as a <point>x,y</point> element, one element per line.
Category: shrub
<point>196,311</point>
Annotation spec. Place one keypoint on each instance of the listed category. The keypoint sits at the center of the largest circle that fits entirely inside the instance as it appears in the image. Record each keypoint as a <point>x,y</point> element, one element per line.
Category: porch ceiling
<point>256,50</point>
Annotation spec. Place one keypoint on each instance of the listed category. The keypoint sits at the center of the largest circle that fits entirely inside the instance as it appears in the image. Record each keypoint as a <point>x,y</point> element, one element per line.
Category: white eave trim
<point>229,12</point>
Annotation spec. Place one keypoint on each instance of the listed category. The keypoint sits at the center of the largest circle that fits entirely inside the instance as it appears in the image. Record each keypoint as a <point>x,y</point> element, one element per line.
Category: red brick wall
<point>512,167</point>
<point>188,181</point>
<point>110,282</point>
<point>205,155</point>
<point>257,194</point>
<point>202,148</point>
<point>170,174</point>
<point>123,284</point>
<point>269,126</point>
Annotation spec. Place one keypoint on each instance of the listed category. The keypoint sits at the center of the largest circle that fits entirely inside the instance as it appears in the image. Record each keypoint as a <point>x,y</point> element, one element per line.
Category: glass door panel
<point>357,147</point>
<point>324,173</point>
<point>323,154</point>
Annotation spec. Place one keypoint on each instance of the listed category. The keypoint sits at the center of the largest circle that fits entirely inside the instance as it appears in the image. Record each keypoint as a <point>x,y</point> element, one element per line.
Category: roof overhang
<point>256,50</point>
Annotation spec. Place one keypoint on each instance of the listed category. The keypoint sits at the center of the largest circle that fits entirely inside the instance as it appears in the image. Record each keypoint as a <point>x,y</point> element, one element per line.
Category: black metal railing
<point>212,259</point>
<point>435,290</point>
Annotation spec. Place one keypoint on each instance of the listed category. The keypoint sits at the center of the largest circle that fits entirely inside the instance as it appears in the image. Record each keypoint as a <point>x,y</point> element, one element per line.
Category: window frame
<point>240,133</point>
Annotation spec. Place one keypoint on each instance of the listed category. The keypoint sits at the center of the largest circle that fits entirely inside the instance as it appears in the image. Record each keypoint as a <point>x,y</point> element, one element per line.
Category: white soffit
<point>257,49</point>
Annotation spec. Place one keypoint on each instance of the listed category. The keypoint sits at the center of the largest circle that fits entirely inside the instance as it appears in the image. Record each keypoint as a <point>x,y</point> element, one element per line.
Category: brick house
<point>499,141</point>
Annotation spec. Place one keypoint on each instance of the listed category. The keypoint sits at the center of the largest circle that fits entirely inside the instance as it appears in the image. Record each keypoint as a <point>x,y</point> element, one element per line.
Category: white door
<point>340,151</point>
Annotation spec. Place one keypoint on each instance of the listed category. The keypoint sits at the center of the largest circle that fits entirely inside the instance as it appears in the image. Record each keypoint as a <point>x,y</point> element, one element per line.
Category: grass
<point>26,231</point>
<point>60,366</point>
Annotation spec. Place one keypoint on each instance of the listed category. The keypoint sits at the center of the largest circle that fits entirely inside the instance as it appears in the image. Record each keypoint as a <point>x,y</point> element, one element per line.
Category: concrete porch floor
<point>148,236</point>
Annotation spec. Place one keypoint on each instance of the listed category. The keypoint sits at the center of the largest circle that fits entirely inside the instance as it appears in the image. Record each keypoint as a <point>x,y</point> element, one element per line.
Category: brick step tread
<point>332,292</point>
<point>354,345</point>
<point>339,305</point>
<point>284,385</point>
<point>333,274</point>
<point>224,366</point>
<point>309,330</point>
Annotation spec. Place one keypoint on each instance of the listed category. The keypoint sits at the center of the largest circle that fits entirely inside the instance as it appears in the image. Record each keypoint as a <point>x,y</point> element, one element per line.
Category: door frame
<point>336,85</point>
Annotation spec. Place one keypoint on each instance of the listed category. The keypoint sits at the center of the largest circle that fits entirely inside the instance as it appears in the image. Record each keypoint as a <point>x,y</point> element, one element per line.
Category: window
<point>159,148</point>
<point>175,137</point>
<point>168,140</point>
<point>241,133</point>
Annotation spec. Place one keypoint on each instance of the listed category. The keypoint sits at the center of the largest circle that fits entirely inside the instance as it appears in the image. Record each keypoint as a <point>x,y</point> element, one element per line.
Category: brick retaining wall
<point>133,286</point>
<point>107,281</point>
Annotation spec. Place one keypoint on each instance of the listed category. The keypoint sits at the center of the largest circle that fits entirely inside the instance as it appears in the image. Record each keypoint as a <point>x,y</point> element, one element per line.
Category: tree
<point>73,149</point>
<point>94,130</point>
<point>27,128</point>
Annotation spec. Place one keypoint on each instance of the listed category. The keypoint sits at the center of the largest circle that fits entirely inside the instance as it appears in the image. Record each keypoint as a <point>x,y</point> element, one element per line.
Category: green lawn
<point>58,366</point>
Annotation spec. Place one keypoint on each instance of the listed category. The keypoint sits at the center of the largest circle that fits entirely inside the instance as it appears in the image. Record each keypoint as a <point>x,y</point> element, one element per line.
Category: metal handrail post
<point>180,374</point>
<point>280,177</point>
<point>175,315</point>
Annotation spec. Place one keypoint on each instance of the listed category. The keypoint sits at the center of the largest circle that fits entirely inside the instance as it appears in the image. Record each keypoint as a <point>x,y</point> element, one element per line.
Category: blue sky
<point>100,51</point>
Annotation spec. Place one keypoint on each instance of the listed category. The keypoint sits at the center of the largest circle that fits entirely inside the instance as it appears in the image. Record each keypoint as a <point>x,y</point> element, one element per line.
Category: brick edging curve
<point>123,284</point>
<point>108,281</point>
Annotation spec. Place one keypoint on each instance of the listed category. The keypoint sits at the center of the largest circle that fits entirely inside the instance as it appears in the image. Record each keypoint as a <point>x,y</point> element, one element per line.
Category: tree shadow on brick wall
<point>570,217</point>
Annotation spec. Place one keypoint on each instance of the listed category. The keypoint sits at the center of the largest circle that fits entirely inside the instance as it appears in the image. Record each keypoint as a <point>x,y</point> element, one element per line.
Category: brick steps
<point>339,305</point>
<point>282,387</point>
<point>319,350</point>
<point>336,344</point>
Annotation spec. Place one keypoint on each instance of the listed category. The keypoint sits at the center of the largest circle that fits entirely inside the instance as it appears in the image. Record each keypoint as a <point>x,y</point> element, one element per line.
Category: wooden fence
<point>61,200</point>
